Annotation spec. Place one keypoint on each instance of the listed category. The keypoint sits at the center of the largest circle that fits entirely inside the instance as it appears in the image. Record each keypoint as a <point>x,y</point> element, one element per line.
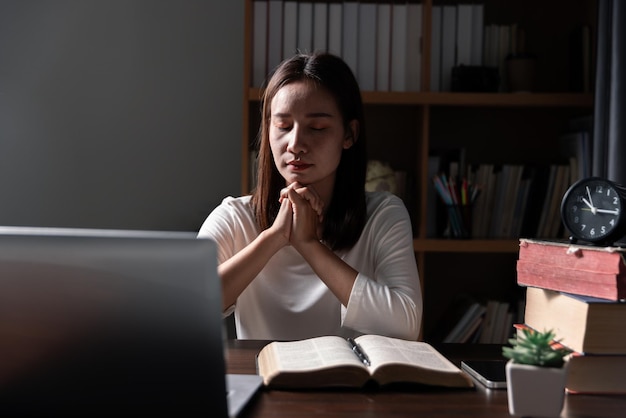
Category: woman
<point>310,253</point>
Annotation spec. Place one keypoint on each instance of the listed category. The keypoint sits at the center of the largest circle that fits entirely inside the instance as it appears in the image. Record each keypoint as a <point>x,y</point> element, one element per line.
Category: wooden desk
<point>435,402</point>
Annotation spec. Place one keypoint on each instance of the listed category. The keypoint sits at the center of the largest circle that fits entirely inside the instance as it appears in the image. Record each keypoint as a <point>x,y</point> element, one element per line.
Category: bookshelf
<point>406,127</point>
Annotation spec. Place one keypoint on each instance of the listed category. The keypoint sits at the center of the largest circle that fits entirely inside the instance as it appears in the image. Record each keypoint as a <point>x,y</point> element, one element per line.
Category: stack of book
<point>578,292</point>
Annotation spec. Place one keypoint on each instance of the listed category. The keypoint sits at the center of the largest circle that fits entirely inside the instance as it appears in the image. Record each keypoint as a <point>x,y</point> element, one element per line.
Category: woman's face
<point>307,135</point>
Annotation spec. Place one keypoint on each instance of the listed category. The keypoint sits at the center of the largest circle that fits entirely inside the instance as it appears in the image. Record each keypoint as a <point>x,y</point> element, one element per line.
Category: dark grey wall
<point>119,113</point>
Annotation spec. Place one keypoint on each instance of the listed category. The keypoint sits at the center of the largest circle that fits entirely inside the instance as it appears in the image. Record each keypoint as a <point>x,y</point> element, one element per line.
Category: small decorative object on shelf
<point>536,374</point>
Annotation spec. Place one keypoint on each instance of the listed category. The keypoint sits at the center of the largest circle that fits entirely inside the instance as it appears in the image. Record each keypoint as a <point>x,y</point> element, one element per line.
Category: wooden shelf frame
<point>427,104</point>
<point>468,99</point>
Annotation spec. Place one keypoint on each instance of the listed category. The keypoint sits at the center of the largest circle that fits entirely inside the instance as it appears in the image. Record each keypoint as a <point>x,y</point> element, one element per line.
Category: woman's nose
<point>296,142</point>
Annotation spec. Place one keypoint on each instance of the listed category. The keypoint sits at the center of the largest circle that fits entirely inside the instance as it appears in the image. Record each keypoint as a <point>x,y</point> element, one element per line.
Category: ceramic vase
<point>535,391</point>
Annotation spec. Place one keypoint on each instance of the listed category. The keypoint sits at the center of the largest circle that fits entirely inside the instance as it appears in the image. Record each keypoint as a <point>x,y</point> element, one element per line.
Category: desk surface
<point>435,402</point>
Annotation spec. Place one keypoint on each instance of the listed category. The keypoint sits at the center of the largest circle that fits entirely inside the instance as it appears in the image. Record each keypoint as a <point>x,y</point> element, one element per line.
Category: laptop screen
<point>102,322</point>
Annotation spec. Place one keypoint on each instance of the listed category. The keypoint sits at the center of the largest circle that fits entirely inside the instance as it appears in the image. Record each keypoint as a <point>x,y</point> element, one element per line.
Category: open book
<point>334,361</point>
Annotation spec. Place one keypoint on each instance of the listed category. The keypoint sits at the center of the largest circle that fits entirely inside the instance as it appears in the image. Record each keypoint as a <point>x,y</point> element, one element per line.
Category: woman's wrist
<point>273,239</point>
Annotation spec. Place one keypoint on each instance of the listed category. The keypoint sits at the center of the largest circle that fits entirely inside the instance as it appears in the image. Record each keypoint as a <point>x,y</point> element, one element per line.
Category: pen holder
<point>459,221</point>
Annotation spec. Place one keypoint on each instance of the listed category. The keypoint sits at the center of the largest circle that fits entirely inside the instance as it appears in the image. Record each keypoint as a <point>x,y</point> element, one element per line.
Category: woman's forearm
<point>338,276</point>
<point>238,272</point>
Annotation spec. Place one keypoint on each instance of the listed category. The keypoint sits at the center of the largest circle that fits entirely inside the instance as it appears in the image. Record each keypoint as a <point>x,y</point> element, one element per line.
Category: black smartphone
<point>490,373</point>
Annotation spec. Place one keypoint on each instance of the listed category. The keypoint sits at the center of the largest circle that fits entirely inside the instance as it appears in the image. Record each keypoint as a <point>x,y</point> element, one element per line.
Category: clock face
<point>592,210</point>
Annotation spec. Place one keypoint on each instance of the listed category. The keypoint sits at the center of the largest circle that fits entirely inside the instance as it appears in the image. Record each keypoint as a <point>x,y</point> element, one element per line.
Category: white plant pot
<point>535,391</point>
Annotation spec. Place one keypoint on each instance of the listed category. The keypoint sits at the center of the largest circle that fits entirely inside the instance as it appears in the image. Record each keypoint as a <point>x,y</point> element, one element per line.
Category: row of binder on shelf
<point>381,42</point>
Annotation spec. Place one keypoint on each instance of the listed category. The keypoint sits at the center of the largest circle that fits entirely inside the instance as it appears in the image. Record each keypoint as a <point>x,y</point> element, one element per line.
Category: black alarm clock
<point>592,210</point>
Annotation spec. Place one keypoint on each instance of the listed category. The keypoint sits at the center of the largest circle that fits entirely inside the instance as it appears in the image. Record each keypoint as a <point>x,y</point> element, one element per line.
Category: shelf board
<point>481,99</point>
<point>466,245</point>
<point>469,99</point>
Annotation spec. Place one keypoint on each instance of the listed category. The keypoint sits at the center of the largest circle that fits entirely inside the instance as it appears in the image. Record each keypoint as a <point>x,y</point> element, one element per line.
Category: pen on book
<point>359,352</point>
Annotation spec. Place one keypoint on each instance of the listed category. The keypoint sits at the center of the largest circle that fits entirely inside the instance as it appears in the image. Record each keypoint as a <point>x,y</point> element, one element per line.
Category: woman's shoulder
<point>231,205</point>
<point>240,201</point>
<point>385,207</point>
<point>231,211</point>
<point>380,199</point>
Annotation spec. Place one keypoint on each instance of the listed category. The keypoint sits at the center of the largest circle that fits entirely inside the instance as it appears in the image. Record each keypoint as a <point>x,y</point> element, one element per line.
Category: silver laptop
<point>112,322</point>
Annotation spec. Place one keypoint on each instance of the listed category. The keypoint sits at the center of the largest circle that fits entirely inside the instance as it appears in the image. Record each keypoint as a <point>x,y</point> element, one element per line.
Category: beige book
<point>334,361</point>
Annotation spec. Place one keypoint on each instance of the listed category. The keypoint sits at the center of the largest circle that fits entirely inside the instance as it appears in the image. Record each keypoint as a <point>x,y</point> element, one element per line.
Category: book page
<point>314,353</point>
<point>385,350</point>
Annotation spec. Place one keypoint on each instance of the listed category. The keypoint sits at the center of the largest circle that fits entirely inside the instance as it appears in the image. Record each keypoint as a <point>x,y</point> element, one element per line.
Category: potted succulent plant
<point>536,374</point>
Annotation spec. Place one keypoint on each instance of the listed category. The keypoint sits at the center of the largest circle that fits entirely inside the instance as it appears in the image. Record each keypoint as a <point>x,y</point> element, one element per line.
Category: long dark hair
<point>345,216</point>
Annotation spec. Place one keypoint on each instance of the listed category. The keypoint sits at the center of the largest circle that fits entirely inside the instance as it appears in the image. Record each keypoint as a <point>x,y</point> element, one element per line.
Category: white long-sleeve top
<point>287,300</point>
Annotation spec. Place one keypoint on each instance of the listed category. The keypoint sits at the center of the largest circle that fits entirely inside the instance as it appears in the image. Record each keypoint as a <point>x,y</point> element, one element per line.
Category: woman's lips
<point>298,165</point>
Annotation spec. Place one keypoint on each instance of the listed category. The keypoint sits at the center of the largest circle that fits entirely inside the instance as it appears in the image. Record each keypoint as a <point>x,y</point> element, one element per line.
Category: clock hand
<point>612,212</point>
<point>590,199</point>
<point>591,207</point>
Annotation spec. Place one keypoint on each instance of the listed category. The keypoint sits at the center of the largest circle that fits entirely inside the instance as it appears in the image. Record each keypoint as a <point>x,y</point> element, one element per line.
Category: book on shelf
<point>550,218</point>
<point>580,269</point>
<point>483,180</point>
<point>448,45</point>
<point>305,26</point>
<point>383,46</point>
<point>413,45</point>
<point>432,229</point>
<point>259,47</point>
<point>350,34</point>
<point>320,26</point>
<point>521,202</point>
<point>487,331</point>
<point>335,21</point>
<point>463,34</point>
<point>490,45</point>
<point>274,34</point>
<point>544,214</point>
<point>398,46</point>
<point>538,174</point>
<point>467,325</point>
<point>478,29</point>
<point>490,189</point>
<point>290,28</point>
<point>503,324</point>
<point>366,54</point>
<point>504,50</point>
<point>555,225</point>
<point>332,361</point>
<point>458,307</point>
<point>505,198</point>
<point>435,50</point>
<point>499,42</point>
<point>499,320</point>
<point>582,323</point>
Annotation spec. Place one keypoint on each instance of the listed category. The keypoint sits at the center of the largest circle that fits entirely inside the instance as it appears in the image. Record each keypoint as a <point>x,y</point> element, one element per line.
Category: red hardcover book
<point>580,269</point>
